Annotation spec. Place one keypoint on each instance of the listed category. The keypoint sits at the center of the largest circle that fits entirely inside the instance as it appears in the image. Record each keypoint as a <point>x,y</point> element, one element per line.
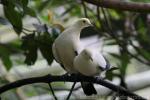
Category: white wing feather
<point>55,53</point>
<point>99,59</point>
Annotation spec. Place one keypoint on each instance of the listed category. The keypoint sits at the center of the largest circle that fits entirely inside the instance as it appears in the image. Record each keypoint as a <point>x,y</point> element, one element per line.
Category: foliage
<point>43,36</point>
<point>4,54</point>
<point>124,29</point>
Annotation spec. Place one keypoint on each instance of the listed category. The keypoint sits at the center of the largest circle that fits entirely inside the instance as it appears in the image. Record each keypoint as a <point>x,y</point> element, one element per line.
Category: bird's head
<point>87,54</point>
<point>83,22</point>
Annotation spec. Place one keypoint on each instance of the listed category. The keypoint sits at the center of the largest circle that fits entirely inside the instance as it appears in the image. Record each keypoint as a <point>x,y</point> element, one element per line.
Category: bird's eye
<point>84,21</point>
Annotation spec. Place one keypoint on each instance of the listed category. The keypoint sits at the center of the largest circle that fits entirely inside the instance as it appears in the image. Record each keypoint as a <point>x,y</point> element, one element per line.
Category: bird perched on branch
<point>91,62</point>
<point>67,45</point>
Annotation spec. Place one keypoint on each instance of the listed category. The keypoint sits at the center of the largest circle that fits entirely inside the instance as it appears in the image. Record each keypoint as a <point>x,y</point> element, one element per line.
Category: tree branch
<point>73,78</point>
<point>84,9</point>
<point>121,5</point>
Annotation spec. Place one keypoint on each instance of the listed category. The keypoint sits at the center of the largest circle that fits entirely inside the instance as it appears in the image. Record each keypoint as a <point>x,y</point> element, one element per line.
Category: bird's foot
<point>65,75</point>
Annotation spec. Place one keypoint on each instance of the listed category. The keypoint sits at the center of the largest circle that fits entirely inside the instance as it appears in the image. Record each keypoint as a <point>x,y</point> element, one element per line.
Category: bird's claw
<point>65,75</point>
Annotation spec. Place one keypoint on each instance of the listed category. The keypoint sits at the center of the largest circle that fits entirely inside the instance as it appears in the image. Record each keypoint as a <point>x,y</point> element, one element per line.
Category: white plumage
<point>90,62</point>
<point>68,44</point>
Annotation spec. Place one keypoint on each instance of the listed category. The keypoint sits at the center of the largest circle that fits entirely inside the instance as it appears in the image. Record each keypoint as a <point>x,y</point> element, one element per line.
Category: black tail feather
<point>88,88</point>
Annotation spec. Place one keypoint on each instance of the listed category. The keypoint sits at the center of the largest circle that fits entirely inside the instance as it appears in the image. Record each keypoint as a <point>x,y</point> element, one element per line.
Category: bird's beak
<point>90,24</point>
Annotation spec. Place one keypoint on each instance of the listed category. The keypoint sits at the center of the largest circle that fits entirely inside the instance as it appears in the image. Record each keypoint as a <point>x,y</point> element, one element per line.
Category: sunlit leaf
<point>50,16</point>
<point>76,11</point>
<point>114,14</point>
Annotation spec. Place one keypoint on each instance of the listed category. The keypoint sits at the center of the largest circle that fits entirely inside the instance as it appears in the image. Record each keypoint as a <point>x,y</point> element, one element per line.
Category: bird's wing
<point>100,60</point>
<point>55,53</point>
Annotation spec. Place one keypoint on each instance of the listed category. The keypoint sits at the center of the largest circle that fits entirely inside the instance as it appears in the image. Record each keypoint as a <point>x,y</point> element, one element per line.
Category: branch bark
<point>73,78</point>
<point>121,5</point>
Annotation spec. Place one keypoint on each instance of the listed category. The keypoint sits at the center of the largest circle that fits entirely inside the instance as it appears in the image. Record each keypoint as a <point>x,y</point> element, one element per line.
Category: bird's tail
<point>88,88</point>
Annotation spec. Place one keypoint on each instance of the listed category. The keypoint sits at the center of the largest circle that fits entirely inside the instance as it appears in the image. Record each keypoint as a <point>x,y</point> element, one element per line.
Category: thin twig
<point>68,10</point>
<point>52,91</point>
<point>137,58</point>
<point>84,9</point>
<point>107,22</point>
<point>137,49</point>
<point>113,35</point>
<point>28,30</point>
<point>99,18</point>
<point>121,5</point>
<point>71,90</point>
<point>24,33</point>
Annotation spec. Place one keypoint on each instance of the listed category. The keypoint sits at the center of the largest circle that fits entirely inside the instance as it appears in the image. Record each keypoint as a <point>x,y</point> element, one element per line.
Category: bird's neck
<point>75,31</point>
<point>79,27</point>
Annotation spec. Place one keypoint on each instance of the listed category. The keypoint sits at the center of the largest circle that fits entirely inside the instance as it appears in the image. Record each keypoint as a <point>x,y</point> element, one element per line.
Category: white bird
<point>91,62</point>
<point>67,45</point>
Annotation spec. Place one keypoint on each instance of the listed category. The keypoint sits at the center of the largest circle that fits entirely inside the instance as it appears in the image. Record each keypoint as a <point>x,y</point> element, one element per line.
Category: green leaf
<point>76,11</point>
<point>14,18</point>
<point>31,56</point>
<point>5,56</point>
<point>24,3</point>
<point>8,3</point>
<point>110,74</point>
<point>124,63</point>
<point>47,53</point>
<point>144,53</point>
<point>7,62</point>
<point>26,9</point>
<point>45,46</point>
<point>30,12</point>
<point>29,45</point>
